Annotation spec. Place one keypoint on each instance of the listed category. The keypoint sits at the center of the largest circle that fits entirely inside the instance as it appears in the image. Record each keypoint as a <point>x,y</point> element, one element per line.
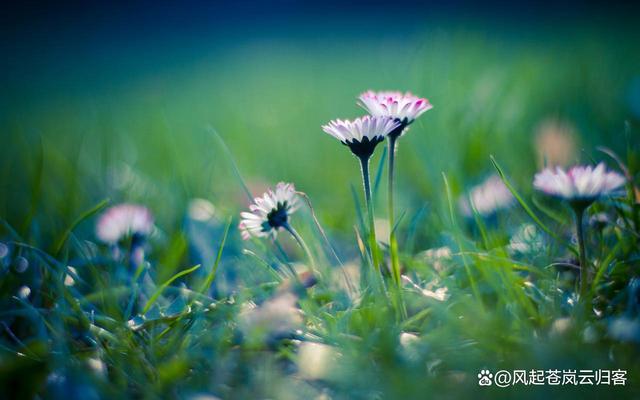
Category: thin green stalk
<point>393,243</point>
<point>373,243</point>
<point>214,268</point>
<point>584,271</point>
<point>302,244</point>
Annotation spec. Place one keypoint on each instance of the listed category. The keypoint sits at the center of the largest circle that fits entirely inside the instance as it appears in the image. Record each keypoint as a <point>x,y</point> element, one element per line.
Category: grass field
<point>205,314</point>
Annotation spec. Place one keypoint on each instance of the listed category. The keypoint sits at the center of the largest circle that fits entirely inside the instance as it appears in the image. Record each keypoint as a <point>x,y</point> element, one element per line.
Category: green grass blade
<point>212,274</point>
<point>232,160</point>
<point>379,170</point>
<point>87,214</point>
<point>526,207</point>
<point>158,292</point>
<point>604,264</point>
<point>472,280</point>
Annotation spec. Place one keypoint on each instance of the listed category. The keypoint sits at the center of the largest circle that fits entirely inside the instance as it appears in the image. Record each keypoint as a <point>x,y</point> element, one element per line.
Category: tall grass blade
<point>161,289</point>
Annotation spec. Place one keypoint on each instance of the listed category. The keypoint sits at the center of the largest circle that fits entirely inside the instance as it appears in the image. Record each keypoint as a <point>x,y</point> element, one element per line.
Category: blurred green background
<point>127,110</point>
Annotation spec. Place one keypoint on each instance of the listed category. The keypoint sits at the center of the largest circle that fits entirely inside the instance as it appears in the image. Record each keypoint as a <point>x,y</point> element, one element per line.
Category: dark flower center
<point>276,218</point>
<point>400,129</point>
<point>364,148</point>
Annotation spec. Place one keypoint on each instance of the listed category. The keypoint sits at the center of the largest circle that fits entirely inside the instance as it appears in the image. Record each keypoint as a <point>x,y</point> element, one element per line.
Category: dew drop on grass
<point>136,322</point>
<point>24,292</point>
<point>21,264</point>
<point>4,250</point>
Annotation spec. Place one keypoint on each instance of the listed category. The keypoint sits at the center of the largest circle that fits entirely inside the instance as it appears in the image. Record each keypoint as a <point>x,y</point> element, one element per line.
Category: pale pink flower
<point>402,107</point>
<point>580,183</point>
<point>487,197</point>
<point>278,316</point>
<point>124,220</point>
<point>363,134</point>
<point>269,212</point>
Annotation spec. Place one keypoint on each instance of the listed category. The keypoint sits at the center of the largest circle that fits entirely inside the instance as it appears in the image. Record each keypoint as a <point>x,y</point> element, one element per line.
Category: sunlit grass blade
<point>232,161</point>
<point>526,207</point>
<point>161,289</point>
<point>558,218</point>
<point>87,214</point>
<point>413,227</point>
<point>604,265</point>
<point>279,276</point>
<point>319,226</point>
<point>214,268</point>
<point>454,224</point>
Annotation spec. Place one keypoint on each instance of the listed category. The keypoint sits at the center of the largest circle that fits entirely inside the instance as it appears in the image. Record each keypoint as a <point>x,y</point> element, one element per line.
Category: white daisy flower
<point>526,240</point>
<point>124,220</point>
<point>363,134</point>
<point>402,107</point>
<point>269,212</point>
<point>580,183</point>
<point>487,198</point>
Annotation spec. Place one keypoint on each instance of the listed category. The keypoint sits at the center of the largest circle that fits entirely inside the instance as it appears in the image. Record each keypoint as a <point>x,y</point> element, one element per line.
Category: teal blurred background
<point>121,101</point>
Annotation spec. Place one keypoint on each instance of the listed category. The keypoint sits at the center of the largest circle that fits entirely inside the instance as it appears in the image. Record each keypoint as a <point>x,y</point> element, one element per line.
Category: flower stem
<point>373,243</point>
<point>393,243</point>
<point>584,271</point>
<point>302,244</point>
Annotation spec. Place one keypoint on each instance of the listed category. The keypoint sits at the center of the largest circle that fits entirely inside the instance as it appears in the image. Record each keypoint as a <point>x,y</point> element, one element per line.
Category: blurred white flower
<point>599,220</point>
<point>625,329</point>
<point>275,317</point>
<point>439,294</point>
<point>555,142</point>
<point>560,326</point>
<point>408,346</point>
<point>527,239</point>
<point>21,264</point>
<point>269,212</point>
<point>304,277</point>
<point>97,366</point>
<point>124,220</point>
<point>382,227</point>
<point>407,339</point>
<point>580,183</point>
<point>24,292</point>
<point>363,134</point>
<point>4,250</point>
<point>201,210</point>
<point>487,197</point>
<point>437,257</point>
<point>315,360</point>
<point>402,107</point>
<point>68,278</point>
<point>203,396</point>
<point>590,334</point>
<point>437,253</point>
